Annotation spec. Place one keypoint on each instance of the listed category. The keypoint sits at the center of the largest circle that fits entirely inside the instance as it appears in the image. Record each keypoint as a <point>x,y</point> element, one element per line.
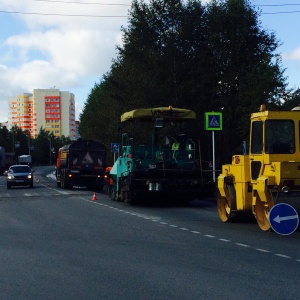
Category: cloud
<point>44,46</point>
<point>293,55</point>
<point>57,50</point>
<point>83,52</point>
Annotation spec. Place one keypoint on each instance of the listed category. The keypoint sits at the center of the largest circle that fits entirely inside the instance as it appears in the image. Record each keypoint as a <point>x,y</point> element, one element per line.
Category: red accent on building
<point>52,108</point>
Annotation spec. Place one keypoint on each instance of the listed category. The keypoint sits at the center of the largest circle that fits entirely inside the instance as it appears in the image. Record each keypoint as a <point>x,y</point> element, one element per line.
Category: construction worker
<point>109,180</point>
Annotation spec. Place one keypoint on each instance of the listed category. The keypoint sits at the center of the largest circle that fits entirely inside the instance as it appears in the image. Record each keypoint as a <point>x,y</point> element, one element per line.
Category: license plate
<point>19,180</point>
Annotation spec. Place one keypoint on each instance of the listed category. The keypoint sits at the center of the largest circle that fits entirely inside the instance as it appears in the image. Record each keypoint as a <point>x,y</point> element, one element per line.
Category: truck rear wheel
<point>227,205</point>
<point>64,182</point>
<point>261,213</point>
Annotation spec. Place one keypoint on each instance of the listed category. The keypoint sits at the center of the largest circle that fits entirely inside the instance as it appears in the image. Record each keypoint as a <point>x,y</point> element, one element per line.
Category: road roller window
<point>257,137</point>
<point>280,137</point>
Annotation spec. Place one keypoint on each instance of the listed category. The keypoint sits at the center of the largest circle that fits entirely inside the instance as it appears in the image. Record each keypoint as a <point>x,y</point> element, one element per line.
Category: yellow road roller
<point>269,174</point>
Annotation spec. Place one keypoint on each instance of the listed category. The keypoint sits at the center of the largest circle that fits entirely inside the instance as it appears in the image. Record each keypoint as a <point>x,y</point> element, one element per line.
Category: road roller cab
<point>253,183</point>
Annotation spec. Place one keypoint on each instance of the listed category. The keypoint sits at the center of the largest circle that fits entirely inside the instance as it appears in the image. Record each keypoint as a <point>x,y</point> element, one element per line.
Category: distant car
<point>19,175</point>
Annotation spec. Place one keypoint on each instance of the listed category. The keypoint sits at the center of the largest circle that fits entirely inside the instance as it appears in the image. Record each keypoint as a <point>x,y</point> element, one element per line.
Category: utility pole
<point>50,158</point>
<point>28,140</point>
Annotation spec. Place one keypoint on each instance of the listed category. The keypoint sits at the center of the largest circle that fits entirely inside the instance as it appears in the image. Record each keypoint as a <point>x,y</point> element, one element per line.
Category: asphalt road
<point>61,244</point>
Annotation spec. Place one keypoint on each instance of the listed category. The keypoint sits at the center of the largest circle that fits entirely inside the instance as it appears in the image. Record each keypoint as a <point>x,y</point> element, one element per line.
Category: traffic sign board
<point>213,121</point>
<point>114,147</point>
<point>283,218</point>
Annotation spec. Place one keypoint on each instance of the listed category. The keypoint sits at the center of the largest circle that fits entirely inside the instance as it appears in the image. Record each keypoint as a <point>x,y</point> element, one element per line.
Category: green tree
<point>4,138</point>
<point>100,119</point>
<point>249,72</point>
<point>291,100</point>
<point>18,141</point>
<point>205,57</point>
<point>46,146</point>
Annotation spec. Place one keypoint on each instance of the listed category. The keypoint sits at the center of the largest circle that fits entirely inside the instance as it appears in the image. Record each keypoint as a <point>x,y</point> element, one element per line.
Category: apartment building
<point>50,109</point>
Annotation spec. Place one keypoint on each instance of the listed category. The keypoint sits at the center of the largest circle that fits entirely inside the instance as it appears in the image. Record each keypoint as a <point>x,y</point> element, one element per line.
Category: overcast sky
<point>42,47</point>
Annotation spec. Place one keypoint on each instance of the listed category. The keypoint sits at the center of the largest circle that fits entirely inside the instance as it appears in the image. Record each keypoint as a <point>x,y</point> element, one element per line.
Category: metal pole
<point>28,144</point>
<point>50,152</point>
<point>200,163</point>
<point>213,146</point>
<point>13,142</point>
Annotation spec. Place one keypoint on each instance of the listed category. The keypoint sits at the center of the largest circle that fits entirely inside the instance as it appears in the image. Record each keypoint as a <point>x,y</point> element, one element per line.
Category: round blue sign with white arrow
<point>283,218</point>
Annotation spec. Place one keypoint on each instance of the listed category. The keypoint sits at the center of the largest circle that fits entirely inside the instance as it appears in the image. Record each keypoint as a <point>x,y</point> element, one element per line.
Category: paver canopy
<point>166,113</point>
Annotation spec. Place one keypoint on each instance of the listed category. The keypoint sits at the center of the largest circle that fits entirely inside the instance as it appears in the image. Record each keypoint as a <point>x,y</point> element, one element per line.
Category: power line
<point>65,15</point>
<point>281,12</point>
<point>279,5</point>
<point>112,16</point>
<point>119,4</point>
<point>77,2</point>
<point>59,15</point>
<point>272,5</point>
<point>121,16</point>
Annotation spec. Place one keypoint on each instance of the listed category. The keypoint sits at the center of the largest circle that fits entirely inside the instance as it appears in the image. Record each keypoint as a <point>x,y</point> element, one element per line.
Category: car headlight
<point>29,176</point>
<point>10,177</point>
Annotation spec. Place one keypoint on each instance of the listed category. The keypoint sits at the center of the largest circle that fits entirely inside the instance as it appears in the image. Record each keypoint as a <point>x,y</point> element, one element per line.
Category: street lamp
<point>16,147</point>
<point>28,140</point>
<point>50,158</point>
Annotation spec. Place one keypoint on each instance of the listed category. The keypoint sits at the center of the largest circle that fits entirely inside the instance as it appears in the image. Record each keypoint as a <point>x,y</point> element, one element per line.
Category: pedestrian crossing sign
<point>213,121</point>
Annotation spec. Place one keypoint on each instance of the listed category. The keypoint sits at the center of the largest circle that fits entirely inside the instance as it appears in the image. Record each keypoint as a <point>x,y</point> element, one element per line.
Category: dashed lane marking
<point>156,219</point>
<point>242,245</point>
<point>209,236</point>
<point>224,240</point>
<point>263,250</point>
<point>282,255</point>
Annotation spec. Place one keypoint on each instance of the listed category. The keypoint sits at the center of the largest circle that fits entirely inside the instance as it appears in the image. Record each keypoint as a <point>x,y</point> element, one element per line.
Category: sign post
<point>114,147</point>
<point>213,121</point>
<point>283,218</point>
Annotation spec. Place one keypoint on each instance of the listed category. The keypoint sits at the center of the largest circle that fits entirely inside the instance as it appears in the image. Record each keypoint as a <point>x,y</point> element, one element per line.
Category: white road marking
<point>242,245</point>
<point>224,240</point>
<point>263,250</point>
<point>209,236</point>
<point>197,232</point>
<point>282,255</point>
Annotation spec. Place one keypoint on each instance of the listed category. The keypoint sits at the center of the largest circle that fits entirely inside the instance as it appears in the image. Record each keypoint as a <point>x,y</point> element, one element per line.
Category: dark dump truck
<point>81,164</point>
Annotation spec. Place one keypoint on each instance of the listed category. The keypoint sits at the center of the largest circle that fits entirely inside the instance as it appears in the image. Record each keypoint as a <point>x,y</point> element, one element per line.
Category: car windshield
<point>20,169</point>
